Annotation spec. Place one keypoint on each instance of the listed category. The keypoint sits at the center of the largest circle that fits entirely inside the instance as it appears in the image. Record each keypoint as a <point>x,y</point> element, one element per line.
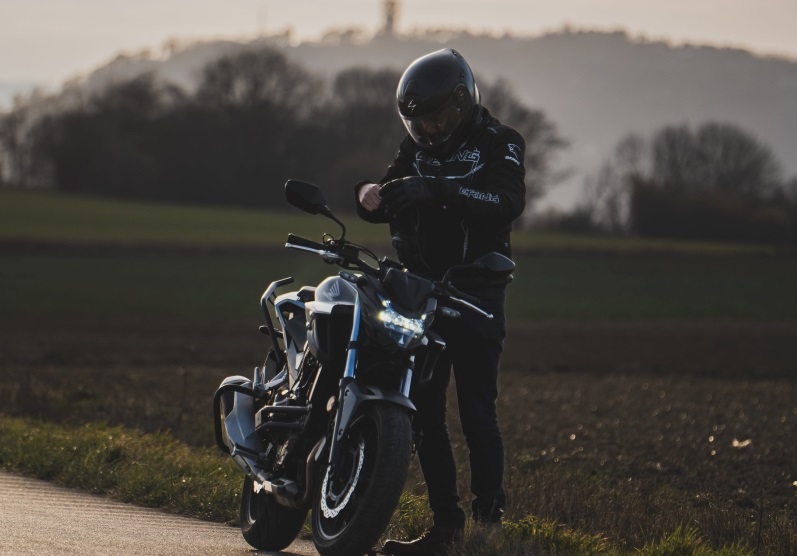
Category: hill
<point>596,86</point>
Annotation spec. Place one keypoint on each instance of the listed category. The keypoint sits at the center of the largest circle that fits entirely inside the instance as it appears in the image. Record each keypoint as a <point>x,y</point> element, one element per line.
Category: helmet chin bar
<point>432,130</point>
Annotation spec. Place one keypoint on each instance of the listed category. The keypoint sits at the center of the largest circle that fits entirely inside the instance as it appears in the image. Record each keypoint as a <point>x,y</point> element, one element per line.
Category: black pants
<point>474,345</point>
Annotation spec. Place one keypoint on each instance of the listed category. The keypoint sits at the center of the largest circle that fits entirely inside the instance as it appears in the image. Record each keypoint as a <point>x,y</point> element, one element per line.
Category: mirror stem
<point>328,213</point>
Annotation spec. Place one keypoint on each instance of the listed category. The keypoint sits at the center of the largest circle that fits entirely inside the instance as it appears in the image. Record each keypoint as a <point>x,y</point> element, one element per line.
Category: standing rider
<point>450,196</point>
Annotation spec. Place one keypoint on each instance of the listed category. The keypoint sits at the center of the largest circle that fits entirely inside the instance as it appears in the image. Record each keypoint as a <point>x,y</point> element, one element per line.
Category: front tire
<point>351,512</point>
<point>265,524</point>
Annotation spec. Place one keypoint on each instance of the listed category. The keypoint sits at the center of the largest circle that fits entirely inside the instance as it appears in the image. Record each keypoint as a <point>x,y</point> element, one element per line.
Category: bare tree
<point>734,161</point>
<point>543,142</point>
<point>607,194</point>
<point>258,77</point>
<point>674,156</point>
<point>717,157</point>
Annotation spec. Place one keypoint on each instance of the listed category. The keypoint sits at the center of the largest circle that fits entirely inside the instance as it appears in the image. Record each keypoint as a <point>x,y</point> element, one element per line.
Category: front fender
<point>353,395</point>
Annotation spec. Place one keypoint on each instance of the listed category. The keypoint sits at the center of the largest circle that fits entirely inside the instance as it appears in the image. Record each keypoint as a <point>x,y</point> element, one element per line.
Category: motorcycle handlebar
<point>343,253</point>
<point>302,242</point>
<point>340,256</point>
<point>462,295</point>
<point>449,291</point>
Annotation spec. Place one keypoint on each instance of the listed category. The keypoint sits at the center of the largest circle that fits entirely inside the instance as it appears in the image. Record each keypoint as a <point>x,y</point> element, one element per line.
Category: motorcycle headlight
<point>403,330</point>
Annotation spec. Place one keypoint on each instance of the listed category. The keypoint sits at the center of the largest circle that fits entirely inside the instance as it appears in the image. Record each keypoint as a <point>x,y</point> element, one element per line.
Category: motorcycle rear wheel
<point>352,510</point>
<point>265,524</point>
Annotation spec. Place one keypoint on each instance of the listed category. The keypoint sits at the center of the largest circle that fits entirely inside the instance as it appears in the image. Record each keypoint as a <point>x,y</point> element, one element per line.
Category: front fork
<point>351,395</point>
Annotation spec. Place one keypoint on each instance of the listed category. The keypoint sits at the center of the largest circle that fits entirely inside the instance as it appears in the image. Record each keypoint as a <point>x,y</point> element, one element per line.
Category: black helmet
<point>436,94</point>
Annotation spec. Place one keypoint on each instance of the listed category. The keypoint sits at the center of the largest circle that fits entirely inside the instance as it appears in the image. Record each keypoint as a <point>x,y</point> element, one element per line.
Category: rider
<point>450,196</point>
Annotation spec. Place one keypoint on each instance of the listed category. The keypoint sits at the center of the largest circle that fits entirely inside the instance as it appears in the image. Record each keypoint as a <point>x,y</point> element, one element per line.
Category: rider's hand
<point>411,191</point>
<point>368,195</point>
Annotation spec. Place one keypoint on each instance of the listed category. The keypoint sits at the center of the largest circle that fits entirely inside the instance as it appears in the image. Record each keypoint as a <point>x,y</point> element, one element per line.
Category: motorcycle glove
<point>410,191</point>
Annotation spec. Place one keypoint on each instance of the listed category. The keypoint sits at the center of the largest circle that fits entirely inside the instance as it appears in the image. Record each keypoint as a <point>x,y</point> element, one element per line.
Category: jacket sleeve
<point>402,166</point>
<point>497,194</point>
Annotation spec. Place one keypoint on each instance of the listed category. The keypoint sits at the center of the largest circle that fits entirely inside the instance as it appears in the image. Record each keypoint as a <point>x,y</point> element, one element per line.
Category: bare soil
<point>626,428</point>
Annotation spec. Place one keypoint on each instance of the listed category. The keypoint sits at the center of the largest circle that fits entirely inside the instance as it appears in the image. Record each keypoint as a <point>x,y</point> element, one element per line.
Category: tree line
<point>255,120</point>
<point>714,182</point>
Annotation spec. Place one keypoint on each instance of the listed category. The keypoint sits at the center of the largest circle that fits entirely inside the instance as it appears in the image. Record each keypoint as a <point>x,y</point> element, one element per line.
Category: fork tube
<point>351,356</point>
<point>406,380</point>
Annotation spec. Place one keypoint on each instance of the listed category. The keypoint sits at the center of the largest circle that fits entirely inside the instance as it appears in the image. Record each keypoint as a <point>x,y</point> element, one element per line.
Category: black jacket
<point>483,188</point>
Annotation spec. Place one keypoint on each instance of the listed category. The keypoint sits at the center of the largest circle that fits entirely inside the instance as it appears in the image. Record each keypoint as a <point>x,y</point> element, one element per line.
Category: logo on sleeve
<point>514,153</point>
<point>479,195</point>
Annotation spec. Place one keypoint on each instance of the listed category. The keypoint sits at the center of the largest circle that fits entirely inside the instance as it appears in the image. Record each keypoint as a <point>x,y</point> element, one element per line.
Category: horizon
<point>62,42</point>
<point>10,88</point>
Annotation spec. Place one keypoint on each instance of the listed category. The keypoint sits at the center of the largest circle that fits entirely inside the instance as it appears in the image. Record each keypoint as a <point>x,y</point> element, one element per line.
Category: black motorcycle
<point>326,422</point>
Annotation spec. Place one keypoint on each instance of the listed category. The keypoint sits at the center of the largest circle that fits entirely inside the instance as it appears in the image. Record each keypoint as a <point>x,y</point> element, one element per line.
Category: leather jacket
<point>481,182</point>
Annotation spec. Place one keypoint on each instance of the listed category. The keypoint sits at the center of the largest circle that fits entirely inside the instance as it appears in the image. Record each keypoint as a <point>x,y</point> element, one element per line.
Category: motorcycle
<point>325,424</point>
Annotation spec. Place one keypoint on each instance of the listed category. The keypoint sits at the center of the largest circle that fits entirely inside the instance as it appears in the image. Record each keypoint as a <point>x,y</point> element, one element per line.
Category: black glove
<point>402,193</point>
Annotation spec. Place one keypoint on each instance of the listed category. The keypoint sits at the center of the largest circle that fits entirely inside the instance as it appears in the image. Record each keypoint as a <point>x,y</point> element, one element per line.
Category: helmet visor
<point>431,130</point>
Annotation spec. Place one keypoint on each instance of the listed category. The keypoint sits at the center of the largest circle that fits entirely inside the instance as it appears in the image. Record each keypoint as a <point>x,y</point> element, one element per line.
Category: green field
<point>110,283</point>
<point>51,217</point>
<point>64,256</point>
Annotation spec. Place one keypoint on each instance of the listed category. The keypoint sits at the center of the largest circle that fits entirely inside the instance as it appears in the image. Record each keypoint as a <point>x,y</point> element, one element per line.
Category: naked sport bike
<point>325,424</point>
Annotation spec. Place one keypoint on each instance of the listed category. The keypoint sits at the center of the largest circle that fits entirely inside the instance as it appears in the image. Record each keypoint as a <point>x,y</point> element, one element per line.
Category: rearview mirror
<point>496,264</point>
<point>490,267</point>
<point>309,198</point>
<point>306,196</point>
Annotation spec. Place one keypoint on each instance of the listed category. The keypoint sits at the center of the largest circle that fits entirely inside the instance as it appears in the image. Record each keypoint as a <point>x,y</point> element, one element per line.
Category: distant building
<point>391,13</point>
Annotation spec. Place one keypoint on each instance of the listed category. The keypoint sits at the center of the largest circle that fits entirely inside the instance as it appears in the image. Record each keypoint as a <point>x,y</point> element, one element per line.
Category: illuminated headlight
<point>402,329</point>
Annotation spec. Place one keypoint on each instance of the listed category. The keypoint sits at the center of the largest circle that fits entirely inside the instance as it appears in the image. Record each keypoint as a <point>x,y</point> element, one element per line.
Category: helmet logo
<point>411,105</point>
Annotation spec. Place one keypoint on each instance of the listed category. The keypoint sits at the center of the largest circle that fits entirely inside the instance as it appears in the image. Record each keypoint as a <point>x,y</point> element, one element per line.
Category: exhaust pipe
<point>235,434</point>
<point>233,405</point>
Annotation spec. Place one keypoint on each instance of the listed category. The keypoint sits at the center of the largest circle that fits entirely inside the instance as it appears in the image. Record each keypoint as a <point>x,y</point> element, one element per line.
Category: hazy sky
<point>48,41</point>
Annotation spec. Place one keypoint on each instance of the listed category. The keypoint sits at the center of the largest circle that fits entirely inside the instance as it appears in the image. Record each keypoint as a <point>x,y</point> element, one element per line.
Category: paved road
<point>39,518</point>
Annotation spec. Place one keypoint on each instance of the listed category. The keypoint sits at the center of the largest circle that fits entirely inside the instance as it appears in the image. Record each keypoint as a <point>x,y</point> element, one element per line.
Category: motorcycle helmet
<point>436,96</point>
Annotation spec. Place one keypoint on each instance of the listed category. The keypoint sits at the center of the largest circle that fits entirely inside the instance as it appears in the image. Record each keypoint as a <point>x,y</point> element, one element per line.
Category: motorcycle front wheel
<point>265,524</point>
<point>352,508</point>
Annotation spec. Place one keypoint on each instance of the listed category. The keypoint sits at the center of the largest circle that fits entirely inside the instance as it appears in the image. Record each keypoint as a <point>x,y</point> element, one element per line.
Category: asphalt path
<point>38,518</point>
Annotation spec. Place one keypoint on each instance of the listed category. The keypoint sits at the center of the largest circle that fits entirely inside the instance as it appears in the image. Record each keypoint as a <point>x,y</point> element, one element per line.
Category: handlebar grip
<point>302,242</point>
<point>464,296</point>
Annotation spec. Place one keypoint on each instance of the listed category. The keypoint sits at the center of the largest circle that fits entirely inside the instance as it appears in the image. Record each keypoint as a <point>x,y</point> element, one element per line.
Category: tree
<point>258,77</point>
<point>21,165</point>
<point>105,146</point>
<point>717,157</point>
<point>718,182</point>
<point>674,157</point>
<point>255,120</point>
<point>607,194</point>
<point>543,142</point>
<point>734,161</point>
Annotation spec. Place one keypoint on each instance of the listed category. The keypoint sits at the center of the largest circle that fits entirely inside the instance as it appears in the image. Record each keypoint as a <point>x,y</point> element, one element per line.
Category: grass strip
<point>155,470</point>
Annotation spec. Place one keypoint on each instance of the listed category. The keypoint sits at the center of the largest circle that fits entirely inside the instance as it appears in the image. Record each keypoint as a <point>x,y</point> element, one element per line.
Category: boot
<point>436,541</point>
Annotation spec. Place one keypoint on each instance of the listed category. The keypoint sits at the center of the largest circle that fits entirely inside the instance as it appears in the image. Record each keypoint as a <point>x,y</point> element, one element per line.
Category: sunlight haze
<point>46,42</point>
